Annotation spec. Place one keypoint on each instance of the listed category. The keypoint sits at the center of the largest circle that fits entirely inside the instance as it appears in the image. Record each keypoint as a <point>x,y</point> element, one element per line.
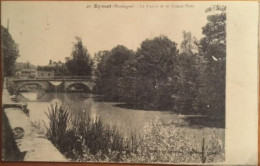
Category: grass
<point>81,138</point>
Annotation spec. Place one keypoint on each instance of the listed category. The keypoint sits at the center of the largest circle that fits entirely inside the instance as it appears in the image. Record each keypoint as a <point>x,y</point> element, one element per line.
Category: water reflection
<point>56,101</point>
<point>125,119</point>
<point>31,95</point>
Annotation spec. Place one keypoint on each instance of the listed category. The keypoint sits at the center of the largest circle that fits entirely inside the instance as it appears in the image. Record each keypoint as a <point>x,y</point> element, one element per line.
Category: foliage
<point>44,68</point>
<point>213,48</point>
<point>10,52</point>
<point>58,70</point>
<point>155,73</point>
<point>188,82</point>
<point>10,85</point>
<point>58,125</point>
<point>144,79</point>
<point>213,45</point>
<point>98,57</point>
<point>128,82</point>
<point>157,76</point>
<point>81,138</point>
<point>21,65</point>
<point>165,142</point>
<point>80,63</point>
<point>109,71</point>
<point>188,68</point>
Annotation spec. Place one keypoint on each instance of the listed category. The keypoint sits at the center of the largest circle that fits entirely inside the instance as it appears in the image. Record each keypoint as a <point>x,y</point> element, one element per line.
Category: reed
<point>81,138</point>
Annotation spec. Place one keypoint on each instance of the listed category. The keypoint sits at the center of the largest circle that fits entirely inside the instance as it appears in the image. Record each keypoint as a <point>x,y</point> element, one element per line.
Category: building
<point>26,74</point>
<point>44,74</point>
<point>55,64</point>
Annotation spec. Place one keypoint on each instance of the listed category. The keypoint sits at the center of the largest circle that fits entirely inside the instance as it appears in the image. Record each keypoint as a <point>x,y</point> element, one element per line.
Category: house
<point>44,74</point>
<point>55,64</point>
<point>26,73</point>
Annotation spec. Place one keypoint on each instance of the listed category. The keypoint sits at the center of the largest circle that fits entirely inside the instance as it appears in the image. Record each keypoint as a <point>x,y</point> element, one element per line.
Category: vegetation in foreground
<point>80,138</point>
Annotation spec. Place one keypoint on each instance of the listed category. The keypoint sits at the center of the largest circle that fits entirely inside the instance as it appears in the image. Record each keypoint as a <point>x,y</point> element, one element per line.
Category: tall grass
<point>81,138</point>
<point>59,127</point>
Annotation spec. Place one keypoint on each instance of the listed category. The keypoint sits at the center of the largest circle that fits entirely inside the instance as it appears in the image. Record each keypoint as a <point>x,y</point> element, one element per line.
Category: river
<point>111,112</point>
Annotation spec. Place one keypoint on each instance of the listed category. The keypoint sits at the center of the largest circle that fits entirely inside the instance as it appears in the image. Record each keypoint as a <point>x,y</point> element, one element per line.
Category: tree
<point>10,52</point>
<point>109,72</point>
<point>156,72</point>
<point>100,61</point>
<point>213,45</point>
<point>80,63</point>
<point>188,72</point>
<point>213,48</point>
<point>58,69</point>
<point>98,57</point>
<point>127,83</point>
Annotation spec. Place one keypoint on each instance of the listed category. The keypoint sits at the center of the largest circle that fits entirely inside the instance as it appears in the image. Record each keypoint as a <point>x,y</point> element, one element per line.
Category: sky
<point>47,30</point>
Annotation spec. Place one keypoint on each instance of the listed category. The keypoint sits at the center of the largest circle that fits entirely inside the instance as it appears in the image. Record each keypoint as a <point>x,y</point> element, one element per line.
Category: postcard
<point>147,82</point>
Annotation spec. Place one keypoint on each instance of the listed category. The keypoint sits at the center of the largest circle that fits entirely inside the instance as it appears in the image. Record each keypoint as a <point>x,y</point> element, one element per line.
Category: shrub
<point>168,143</point>
<point>81,138</point>
<point>84,139</point>
<point>10,85</point>
<point>59,119</point>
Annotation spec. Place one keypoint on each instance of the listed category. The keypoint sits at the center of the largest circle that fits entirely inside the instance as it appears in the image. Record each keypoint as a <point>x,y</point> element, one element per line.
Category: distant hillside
<point>22,65</point>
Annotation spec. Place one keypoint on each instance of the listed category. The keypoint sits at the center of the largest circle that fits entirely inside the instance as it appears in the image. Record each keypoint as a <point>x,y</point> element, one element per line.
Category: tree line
<point>157,75</point>
<point>160,76</point>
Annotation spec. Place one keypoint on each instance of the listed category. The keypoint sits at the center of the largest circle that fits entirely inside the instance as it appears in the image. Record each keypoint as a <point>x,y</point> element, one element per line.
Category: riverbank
<point>22,141</point>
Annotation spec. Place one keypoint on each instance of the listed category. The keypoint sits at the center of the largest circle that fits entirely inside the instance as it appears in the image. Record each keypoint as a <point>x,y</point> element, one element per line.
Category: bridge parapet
<point>86,78</point>
<point>47,83</point>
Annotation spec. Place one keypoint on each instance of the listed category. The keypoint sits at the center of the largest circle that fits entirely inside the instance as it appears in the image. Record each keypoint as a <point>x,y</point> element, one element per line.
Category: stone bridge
<point>61,84</point>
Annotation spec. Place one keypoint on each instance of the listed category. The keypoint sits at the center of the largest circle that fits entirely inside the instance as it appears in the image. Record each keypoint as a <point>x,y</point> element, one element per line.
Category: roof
<point>27,70</point>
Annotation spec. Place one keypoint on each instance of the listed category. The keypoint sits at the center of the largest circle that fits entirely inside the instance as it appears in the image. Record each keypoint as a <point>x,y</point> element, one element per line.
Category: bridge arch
<point>41,84</point>
<point>61,83</point>
<point>78,86</point>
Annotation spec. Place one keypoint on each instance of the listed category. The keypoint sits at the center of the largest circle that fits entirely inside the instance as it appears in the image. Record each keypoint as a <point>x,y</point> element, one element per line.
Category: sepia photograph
<point>114,82</point>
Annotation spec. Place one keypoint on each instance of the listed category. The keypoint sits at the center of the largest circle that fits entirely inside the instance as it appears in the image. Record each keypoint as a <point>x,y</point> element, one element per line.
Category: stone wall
<point>22,140</point>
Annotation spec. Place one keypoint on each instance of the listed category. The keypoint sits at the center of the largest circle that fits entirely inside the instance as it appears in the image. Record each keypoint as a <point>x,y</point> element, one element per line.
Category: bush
<point>168,143</point>
<point>81,138</point>
<point>10,85</point>
<point>59,127</point>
